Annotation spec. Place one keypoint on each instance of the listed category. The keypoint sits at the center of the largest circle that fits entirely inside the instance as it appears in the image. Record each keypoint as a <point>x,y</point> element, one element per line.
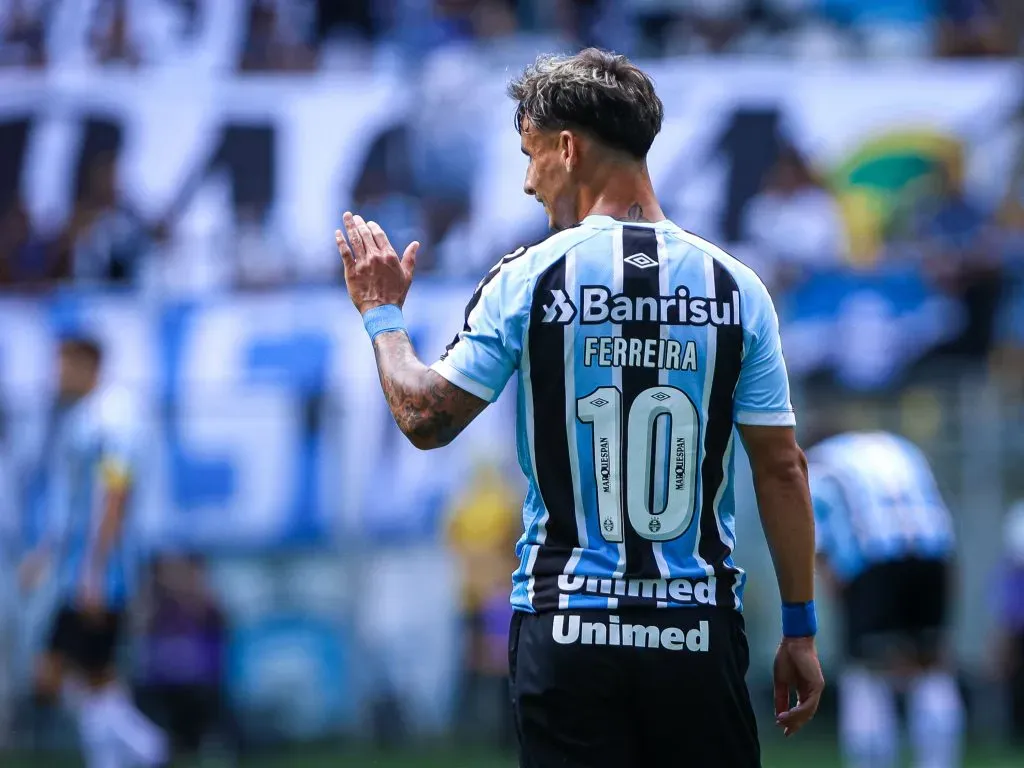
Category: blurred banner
<point>302,148</point>
<point>265,419</point>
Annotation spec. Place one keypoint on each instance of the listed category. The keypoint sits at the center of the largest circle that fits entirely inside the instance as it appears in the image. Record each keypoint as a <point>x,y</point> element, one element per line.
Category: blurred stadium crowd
<point>171,172</point>
<point>301,35</point>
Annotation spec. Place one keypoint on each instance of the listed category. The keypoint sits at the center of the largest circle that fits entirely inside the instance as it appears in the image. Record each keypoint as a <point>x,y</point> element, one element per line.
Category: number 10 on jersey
<point>632,482</point>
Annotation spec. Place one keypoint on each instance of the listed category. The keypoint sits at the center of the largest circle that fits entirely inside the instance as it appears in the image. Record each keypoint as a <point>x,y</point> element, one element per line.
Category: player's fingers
<point>409,259</point>
<point>365,234</point>
<point>801,714</point>
<point>346,253</point>
<point>380,238</point>
<point>354,237</point>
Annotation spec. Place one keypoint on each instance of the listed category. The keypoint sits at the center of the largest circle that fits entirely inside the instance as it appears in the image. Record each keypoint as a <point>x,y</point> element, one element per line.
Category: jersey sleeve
<point>487,350</point>
<point>762,391</point>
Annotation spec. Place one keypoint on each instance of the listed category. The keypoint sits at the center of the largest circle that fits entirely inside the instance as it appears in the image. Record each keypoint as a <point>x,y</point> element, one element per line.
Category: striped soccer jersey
<point>875,500</point>
<point>638,346</point>
<point>95,448</point>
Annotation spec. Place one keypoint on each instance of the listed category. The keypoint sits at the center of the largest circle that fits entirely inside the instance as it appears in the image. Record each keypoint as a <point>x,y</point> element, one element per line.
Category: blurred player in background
<point>91,462</point>
<point>640,347</point>
<point>886,544</point>
<point>1008,643</point>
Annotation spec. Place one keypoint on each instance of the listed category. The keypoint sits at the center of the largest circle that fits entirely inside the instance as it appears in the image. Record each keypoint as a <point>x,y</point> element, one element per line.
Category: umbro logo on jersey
<point>641,261</point>
<point>561,310</point>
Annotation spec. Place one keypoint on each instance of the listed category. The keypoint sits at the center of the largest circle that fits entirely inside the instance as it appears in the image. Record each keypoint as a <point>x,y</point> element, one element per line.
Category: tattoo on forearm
<point>429,409</point>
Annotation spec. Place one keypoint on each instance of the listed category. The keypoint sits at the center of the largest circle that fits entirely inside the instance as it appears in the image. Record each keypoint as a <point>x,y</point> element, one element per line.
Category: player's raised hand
<point>374,274</point>
<point>797,668</point>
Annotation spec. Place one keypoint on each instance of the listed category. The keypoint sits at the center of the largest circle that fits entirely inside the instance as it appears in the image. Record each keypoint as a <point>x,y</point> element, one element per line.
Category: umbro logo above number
<point>641,261</point>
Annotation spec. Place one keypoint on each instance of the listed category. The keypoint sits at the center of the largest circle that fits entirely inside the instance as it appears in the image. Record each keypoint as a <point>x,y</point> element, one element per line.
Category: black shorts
<point>637,687</point>
<point>897,610</point>
<point>86,642</point>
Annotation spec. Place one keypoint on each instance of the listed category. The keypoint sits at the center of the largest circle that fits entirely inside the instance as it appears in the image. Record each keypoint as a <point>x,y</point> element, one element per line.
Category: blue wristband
<point>387,317</point>
<point>799,620</point>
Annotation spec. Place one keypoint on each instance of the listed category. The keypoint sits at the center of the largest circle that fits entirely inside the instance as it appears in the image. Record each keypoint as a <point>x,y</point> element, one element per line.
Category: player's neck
<point>625,194</point>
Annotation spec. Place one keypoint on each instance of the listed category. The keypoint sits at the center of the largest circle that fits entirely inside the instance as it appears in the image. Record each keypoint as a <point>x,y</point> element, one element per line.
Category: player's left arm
<point>764,415</point>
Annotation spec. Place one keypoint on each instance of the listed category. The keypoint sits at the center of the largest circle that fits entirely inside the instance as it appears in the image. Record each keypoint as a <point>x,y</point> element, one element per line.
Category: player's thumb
<point>409,259</point>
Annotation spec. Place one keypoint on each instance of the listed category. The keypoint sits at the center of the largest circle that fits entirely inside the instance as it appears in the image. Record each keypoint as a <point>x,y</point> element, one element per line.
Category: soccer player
<point>90,471</point>
<point>639,347</point>
<point>885,542</point>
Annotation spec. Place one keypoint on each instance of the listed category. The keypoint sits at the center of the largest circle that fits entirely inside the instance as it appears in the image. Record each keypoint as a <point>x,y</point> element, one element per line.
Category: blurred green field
<point>796,754</point>
<point>793,755</point>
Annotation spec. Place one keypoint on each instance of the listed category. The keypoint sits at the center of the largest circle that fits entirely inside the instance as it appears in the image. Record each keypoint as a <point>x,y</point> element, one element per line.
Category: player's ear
<point>568,150</point>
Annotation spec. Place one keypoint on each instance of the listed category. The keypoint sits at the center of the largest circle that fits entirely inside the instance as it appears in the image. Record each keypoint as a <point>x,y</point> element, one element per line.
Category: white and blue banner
<point>264,416</point>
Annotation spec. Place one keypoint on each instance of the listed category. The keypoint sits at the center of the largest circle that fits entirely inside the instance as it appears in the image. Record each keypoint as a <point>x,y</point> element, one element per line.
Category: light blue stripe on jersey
<point>876,500</point>
<point>594,556</point>
<point>693,269</point>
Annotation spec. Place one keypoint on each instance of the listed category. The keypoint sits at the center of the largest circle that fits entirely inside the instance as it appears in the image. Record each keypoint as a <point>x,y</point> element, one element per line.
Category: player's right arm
<point>764,416</point>
<point>430,405</point>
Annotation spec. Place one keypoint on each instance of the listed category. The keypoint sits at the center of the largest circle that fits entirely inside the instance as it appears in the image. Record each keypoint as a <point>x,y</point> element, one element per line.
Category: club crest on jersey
<point>561,310</point>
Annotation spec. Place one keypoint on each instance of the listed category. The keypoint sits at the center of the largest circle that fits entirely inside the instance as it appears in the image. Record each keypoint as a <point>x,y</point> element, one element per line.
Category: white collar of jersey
<point>600,221</point>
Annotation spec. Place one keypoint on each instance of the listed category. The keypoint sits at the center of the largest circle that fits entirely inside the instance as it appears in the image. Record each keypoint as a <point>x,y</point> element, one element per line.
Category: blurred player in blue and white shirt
<point>90,468</point>
<point>885,541</point>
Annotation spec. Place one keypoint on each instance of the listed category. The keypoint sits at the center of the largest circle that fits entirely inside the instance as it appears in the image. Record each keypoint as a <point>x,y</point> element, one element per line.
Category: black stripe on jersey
<point>728,356</point>
<point>639,278</point>
<point>550,441</point>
